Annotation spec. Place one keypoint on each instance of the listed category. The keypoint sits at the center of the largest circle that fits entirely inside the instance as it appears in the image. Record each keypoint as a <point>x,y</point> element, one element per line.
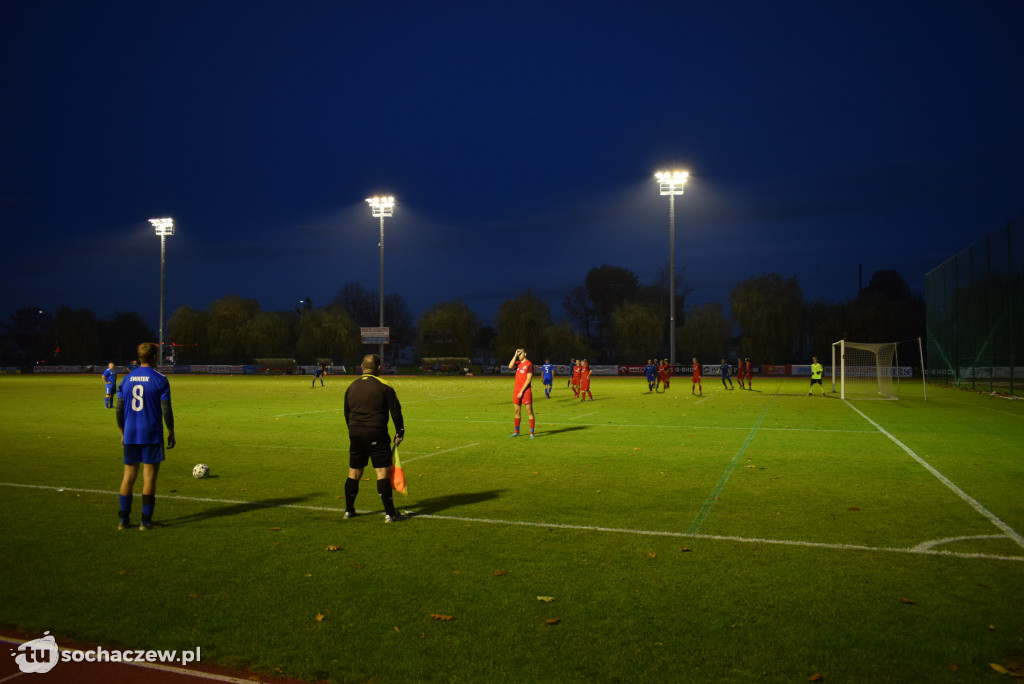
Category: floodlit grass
<point>741,536</point>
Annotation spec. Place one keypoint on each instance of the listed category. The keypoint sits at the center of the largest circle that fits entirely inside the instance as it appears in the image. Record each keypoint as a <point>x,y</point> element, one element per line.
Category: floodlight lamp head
<point>382,206</point>
<point>672,182</point>
<point>163,226</point>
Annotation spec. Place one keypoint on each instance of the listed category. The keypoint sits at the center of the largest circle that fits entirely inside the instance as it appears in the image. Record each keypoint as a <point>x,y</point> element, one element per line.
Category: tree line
<point>612,317</point>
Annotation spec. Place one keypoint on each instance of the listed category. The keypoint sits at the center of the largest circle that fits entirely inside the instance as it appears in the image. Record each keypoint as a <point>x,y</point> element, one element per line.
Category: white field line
<point>278,446</point>
<point>920,549</point>
<point>198,674</point>
<point>307,413</point>
<point>974,503</point>
<point>584,415</point>
<point>637,425</point>
<point>438,453</point>
<point>335,410</point>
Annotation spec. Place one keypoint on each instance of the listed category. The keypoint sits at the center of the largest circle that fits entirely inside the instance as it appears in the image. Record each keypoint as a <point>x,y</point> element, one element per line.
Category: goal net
<point>869,370</point>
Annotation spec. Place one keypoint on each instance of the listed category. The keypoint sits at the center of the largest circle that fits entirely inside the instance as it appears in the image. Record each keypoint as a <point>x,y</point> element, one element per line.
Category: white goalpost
<point>870,370</point>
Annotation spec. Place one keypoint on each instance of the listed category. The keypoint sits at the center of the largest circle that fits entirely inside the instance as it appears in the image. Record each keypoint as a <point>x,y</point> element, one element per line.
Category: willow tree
<point>768,309</point>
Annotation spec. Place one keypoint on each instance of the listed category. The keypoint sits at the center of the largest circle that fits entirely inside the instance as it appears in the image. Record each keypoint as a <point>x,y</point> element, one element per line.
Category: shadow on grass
<point>443,503</point>
<point>574,428</point>
<point>235,509</point>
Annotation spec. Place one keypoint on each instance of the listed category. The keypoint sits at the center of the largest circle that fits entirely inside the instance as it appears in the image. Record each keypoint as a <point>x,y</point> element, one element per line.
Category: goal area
<point>872,370</point>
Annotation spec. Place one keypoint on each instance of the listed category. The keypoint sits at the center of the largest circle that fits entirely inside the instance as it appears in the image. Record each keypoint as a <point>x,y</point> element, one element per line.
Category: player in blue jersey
<point>724,370</point>
<point>548,375</point>
<point>320,372</point>
<point>572,368</point>
<point>143,406</point>
<point>110,379</point>
<point>651,371</point>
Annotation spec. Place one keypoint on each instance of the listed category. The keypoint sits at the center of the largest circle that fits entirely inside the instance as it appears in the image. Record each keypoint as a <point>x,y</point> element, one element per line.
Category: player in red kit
<point>741,371</point>
<point>750,375</point>
<point>585,382</point>
<point>696,378</point>
<point>522,395</point>
<point>576,370</point>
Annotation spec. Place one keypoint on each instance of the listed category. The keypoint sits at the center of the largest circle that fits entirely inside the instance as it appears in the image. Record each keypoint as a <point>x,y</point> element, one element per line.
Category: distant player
<point>740,373</point>
<point>522,395</point>
<point>652,375</point>
<point>572,369</point>
<point>143,406</point>
<point>575,380</point>
<point>547,377</point>
<point>696,379</point>
<point>110,379</point>
<point>319,374</point>
<point>750,375</point>
<point>816,373</point>
<point>724,369</point>
<point>585,381</point>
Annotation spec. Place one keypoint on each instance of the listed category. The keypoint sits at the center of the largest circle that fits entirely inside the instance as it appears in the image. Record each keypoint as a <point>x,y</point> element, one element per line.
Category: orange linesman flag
<point>397,473</point>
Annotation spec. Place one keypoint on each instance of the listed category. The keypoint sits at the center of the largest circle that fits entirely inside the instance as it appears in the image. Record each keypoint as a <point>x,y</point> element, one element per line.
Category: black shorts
<point>815,381</point>
<point>372,448</point>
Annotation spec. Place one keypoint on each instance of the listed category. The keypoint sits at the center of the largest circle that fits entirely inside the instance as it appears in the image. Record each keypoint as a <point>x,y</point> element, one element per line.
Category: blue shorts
<point>150,454</point>
<point>548,381</point>
<point>110,388</point>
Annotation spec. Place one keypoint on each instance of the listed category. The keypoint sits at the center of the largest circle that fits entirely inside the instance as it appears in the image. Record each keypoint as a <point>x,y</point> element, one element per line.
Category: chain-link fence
<point>975,304</point>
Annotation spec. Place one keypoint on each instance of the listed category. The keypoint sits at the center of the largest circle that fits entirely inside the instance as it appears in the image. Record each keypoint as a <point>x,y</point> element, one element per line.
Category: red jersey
<point>739,369</point>
<point>524,369</point>
<point>696,372</point>
<point>585,379</point>
<point>576,374</point>
<point>662,371</point>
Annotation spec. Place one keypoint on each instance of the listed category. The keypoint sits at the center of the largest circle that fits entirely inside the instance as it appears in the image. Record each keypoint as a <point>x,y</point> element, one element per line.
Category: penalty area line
<point>974,503</point>
<point>919,550</point>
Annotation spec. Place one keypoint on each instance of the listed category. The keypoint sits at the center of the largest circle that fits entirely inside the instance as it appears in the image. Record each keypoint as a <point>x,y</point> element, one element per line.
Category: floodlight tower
<point>382,207</point>
<point>671,183</point>
<point>164,227</point>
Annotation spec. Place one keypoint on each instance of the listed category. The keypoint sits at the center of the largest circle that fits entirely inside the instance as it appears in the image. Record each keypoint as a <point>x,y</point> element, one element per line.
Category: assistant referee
<point>368,403</point>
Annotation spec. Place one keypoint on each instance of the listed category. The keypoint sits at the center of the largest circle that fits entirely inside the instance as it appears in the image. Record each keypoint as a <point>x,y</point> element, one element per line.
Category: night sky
<point>519,139</point>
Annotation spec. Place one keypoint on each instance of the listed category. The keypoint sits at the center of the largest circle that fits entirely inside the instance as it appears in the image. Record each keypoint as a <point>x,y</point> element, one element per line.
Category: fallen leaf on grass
<point>193,595</point>
<point>651,554</point>
<point>906,600</point>
<point>365,479</point>
<point>358,567</point>
<point>499,573</point>
<point>686,549</point>
<point>816,677</point>
<point>552,621</point>
<point>332,547</point>
<point>442,618</point>
<point>319,617</point>
<point>854,508</point>
<point>999,668</point>
<point>275,529</point>
<point>546,599</point>
<point>750,466</point>
<point>992,628</point>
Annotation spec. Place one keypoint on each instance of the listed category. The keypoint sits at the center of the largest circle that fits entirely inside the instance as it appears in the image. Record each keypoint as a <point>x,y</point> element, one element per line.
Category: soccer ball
<point>200,471</point>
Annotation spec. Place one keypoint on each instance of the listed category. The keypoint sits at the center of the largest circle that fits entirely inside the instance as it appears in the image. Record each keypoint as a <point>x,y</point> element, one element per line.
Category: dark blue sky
<point>519,139</point>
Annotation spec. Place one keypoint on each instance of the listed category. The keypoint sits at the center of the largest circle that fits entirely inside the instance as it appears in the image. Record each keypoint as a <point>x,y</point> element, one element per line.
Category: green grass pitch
<point>740,536</point>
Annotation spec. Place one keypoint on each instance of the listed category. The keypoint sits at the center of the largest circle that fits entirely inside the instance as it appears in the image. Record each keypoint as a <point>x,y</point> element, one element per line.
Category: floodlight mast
<point>163,227</point>
<point>672,183</point>
<point>382,207</point>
